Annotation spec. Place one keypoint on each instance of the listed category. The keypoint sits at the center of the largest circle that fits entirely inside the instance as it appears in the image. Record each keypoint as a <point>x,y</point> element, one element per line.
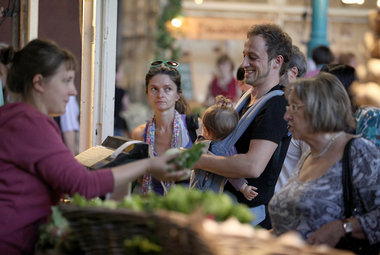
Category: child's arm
<point>237,183</point>
<point>240,184</point>
<point>248,191</point>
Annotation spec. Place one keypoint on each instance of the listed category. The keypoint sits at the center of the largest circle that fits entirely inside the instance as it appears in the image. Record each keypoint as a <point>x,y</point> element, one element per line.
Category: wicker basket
<point>103,231</point>
<point>177,235</point>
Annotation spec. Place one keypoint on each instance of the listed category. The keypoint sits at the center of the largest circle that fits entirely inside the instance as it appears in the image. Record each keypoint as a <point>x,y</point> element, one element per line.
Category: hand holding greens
<point>187,157</point>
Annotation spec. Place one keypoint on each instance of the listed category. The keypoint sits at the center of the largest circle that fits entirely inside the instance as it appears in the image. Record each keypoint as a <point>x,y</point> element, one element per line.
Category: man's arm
<point>248,165</point>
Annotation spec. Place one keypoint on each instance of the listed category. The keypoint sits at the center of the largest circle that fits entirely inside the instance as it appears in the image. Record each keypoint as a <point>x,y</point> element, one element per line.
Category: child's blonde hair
<point>220,119</point>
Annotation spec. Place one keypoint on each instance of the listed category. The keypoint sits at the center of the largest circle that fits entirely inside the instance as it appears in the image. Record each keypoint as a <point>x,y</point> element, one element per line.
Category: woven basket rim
<point>99,209</point>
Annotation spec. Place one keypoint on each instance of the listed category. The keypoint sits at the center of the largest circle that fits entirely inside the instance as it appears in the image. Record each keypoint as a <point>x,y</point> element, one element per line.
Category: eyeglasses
<point>169,63</point>
<point>292,108</point>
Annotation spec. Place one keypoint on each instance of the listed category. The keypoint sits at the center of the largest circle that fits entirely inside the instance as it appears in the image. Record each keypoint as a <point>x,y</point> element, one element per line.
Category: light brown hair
<point>220,119</point>
<point>327,105</point>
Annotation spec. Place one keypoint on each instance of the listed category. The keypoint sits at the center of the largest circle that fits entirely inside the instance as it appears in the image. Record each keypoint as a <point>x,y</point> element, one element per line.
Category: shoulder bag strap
<point>348,186</point>
<point>346,180</point>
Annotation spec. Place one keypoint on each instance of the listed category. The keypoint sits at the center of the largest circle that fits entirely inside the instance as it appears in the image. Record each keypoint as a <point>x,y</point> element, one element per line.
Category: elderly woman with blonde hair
<point>312,202</point>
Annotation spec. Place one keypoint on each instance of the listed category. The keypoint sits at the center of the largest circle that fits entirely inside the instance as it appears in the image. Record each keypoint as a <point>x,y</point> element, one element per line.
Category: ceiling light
<point>354,1</point>
<point>176,22</point>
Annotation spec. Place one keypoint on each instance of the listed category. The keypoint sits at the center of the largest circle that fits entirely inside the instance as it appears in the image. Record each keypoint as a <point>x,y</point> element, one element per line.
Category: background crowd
<point>291,134</point>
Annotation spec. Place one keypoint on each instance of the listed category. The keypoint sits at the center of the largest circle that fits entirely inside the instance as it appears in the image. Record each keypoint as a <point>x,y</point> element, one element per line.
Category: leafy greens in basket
<point>179,199</point>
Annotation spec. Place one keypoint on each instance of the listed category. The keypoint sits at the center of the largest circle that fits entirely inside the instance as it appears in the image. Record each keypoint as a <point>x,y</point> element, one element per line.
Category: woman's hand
<point>159,168</point>
<point>329,234</point>
<point>332,232</point>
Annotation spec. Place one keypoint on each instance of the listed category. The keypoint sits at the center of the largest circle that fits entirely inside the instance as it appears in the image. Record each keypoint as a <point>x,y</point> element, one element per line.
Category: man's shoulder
<point>280,100</point>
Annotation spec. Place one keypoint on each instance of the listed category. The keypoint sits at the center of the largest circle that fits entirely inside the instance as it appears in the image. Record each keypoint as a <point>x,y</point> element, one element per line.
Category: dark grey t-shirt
<point>269,124</point>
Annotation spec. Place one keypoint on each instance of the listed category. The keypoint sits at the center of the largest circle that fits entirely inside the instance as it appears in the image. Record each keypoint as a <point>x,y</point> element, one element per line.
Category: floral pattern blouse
<point>306,206</point>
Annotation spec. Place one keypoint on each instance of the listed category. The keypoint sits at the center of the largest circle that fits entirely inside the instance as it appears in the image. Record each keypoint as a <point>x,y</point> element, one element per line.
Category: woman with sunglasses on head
<point>36,168</point>
<point>168,128</point>
<point>312,202</point>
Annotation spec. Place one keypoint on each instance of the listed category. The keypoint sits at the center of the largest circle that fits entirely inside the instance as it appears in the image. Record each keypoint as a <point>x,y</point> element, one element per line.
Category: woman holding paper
<point>36,168</point>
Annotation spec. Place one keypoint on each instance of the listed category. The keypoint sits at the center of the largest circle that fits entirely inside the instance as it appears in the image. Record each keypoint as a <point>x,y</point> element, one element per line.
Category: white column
<point>99,27</point>
<point>32,32</point>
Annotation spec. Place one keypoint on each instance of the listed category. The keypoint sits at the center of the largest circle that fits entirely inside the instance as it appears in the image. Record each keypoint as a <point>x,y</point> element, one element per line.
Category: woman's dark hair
<point>6,55</point>
<point>37,57</point>
<point>346,75</point>
<point>181,105</point>
<point>322,55</point>
<point>240,74</point>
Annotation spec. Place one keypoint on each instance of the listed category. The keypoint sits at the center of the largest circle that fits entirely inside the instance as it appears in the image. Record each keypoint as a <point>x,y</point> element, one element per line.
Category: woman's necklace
<point>328,145</point>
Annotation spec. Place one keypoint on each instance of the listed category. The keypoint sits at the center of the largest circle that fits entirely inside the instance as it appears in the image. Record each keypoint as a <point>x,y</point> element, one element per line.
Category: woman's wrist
<point>347,226</point>
<point>353,227</point>
<point>149,162</point>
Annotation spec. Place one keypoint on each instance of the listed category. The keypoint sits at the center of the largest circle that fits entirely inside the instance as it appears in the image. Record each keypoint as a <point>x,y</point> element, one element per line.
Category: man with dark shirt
<point>263,146</point>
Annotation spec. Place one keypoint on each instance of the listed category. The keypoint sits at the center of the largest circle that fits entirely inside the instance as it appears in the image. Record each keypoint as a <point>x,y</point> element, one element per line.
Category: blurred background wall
<point>209,28</point>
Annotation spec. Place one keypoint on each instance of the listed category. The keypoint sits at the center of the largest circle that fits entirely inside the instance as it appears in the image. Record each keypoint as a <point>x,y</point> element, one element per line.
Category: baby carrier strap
<point>222,147</point>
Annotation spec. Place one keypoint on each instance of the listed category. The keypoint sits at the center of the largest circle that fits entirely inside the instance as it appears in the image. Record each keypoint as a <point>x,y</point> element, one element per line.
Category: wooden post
<point>99,23</point>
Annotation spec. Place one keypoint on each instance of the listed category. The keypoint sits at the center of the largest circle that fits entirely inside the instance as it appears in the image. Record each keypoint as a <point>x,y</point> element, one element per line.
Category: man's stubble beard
<point>262,77</point>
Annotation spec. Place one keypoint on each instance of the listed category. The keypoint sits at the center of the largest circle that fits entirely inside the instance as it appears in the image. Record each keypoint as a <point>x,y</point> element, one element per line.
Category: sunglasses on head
<point>169,63</point>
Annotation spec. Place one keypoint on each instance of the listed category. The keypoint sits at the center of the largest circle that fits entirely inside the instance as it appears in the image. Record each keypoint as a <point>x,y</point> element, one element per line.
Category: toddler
<point>219,121</point>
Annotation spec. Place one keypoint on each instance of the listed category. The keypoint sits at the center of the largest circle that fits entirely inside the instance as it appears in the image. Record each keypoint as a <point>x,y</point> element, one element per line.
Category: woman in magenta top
<point>36,168</point>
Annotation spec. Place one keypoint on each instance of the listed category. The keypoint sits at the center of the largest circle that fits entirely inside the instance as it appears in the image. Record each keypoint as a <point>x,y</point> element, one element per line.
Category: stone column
<point>318,25</point>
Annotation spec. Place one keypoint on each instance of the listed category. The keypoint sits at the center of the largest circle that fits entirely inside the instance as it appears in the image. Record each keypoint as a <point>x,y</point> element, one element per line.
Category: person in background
<point>36,167</point>
<point>348,58</point>
<point>346,75</point>
<point>320,55</point>
<point>368,123</point>
<point>69,124</point>
<point>6,52</point>
<point>218,122</point>
<point>296,69</point>
<point>244,87</point>
<point>311,202</point>
<point>168,128</point>
<point>262,147</point>
<point>223,82</point>
<point>367,117</point>
<point>121,102</point>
